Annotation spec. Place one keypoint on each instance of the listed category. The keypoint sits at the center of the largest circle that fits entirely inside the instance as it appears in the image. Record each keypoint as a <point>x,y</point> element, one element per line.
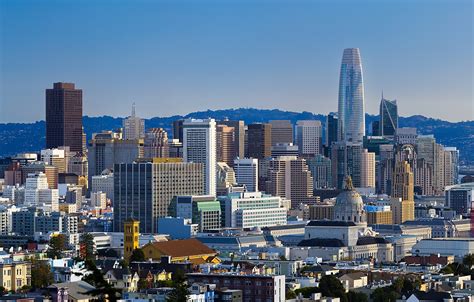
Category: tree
<point>468,260</point>
<point>103,290</point>
<point>137,255</point>
<point>307,291</point>
<point>357,297</point>
<point>179,293</point>
<point>57,244</point>
<point>330,286</point>
<point>41,274</point>
<point>3,291</point>
<point>290,294</point>
<point>143,284</point>
<point>86,243</point>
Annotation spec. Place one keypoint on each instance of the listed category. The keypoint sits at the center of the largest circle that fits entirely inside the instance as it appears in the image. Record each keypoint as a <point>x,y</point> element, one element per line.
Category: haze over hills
<point>22,137</point>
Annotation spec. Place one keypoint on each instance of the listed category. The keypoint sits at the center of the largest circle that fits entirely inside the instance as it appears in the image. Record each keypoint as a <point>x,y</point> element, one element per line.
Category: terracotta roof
<point>182,248</point>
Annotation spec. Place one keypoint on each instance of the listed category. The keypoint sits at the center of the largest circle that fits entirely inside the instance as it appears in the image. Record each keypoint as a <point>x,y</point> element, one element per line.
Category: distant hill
<point>22,137</point>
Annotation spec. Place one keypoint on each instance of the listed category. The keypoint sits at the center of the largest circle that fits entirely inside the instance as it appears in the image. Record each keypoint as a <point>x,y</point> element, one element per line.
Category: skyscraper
<point>309,137</point>
<point>282,132</point>
<point>388,117</point>
<point>156,143</point>
<point>144,190</point>
<point>331,129</point>
<point>199,146</point>
<point>225,144</point>
<point>133,126</point>
<point>64,117</point>
<point>246,173</point>
<point>239,129</point>
<point>351,112</point>
<point>259,140</point>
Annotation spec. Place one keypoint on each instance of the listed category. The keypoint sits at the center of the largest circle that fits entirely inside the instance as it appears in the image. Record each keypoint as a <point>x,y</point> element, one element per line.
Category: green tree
<point>57,245</point>
<point>307,291</point>
<point>3,291</point>
<point>357,297</point>
<point>384,294</point>
<point>103,290</point>
<point>468,260</point>
<point>137,255</point>
<point>179,293</point>
<point>290,294</point>
<point>86,243</point>
<point>330,286</point>
<point>41,274</point>
<point>143,284</point>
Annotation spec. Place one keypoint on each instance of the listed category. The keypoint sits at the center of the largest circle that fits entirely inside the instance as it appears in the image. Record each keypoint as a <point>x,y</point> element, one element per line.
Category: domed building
<point>349,205</point>
<point>346,236</point>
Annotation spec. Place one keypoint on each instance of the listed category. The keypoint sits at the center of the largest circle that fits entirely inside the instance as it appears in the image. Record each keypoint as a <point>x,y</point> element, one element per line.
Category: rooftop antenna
<point>133,109</point>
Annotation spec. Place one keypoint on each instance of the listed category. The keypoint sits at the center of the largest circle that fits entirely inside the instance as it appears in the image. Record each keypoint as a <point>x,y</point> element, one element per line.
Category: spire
<point>133,109</point>
<point>382,94</point>
<point>348,183</point>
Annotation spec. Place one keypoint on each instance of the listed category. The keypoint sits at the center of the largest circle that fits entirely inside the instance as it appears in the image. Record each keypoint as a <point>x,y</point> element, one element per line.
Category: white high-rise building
<point>246,173</point>
<point>133,127</point>
<point>309,137</point>
<point>104,183</point>
<point>351,111</point>
<point>37,192</point>
<point>58,157</point>
<point>199,146</point>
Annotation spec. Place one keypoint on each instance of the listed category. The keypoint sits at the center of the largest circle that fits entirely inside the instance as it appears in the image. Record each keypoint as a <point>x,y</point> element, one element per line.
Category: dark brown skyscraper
<point>64,117</point>
<point>259,140</point>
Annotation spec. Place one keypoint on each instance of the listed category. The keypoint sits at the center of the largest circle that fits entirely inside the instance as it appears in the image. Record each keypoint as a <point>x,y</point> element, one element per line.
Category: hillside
<point>21,137</point>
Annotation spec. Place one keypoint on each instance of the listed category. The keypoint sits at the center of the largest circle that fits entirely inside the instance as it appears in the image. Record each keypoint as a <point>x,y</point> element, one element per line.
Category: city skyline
<point>281,56</point>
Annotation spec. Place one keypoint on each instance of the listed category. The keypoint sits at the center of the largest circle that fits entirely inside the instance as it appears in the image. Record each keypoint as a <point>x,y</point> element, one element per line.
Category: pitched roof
<point>182,248</point>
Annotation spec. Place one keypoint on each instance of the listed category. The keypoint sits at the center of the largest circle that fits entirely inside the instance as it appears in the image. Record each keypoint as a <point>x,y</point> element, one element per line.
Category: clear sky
<point>174,57</point>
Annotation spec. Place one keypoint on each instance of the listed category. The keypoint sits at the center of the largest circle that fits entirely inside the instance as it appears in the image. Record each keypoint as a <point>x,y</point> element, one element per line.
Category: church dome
<point>349,205</point>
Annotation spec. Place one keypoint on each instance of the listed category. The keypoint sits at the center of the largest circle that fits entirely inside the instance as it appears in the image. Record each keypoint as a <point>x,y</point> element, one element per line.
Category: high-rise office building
<point>199,146</point>
<point>376,128</point>
<point>460,198</point>
<point>403,205</point>
<point>239,135</point>
<point>64,117</point>
<point>285,150</point>
<point>309,137</point>
<point>225,144</point>
<point>202,210</point>
<point>320,167</point>
<point>259,138</point>
<point>51,172</point>
<point>225,178</point>
<point>368,169</point>
<point>384,168</point>
<point>406,135</point>
<point>107,148</point>
<point>144,190</point>
<point>246,173</point>
<point>388,117</point>
<point>156,143</point>
<point>289,177</point>
<point>58,157</point>
<point>351,112</point>
<point>331,129</point>
<point>133,126</point>
<point>346,160</point>
<point>178,130</point>
<point>282,132</point>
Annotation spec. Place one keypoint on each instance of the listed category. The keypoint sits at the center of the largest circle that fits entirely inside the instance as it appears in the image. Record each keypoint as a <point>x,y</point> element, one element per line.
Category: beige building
<point>321,210</point>
<point>367,169</point>
<point>15,275</point>
<point>402,202</point>
<point>156,143</point>
<point>379,217</point>
<point>225,144</point>
<point>290,177</point>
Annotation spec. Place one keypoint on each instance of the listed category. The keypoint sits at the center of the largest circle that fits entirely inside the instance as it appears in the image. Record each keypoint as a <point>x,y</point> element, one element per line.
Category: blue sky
<point>174,57</point>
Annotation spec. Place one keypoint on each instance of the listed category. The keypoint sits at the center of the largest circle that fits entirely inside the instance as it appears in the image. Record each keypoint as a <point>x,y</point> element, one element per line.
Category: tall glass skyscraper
<point>351,122</point>
<point>388,117</point>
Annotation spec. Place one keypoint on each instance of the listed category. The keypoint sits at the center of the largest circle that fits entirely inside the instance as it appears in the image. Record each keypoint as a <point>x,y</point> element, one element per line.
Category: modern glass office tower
<point>351,122</point>
<point>388,117</point>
